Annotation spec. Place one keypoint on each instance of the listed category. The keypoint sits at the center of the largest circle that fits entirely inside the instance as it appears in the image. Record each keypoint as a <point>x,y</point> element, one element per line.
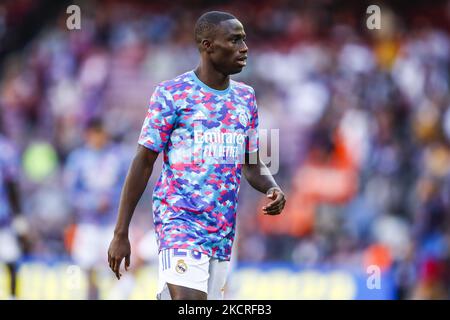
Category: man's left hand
<point>278,201</point>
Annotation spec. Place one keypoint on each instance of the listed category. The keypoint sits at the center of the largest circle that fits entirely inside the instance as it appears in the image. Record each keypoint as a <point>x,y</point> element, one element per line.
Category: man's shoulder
<point>179,83</point>
<point>243,87</point>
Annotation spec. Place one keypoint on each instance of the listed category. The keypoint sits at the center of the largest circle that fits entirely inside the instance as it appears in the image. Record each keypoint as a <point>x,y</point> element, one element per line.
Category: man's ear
<point>207,45</point>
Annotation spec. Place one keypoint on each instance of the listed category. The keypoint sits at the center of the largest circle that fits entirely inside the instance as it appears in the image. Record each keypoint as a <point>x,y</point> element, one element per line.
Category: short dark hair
<point>208,22</point>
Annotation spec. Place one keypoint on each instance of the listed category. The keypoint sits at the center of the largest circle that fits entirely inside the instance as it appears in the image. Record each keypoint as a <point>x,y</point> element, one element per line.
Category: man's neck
<point>211,77</point>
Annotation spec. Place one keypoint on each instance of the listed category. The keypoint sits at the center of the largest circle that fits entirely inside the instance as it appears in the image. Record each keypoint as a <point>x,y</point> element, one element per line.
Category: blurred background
<point>364,126</point>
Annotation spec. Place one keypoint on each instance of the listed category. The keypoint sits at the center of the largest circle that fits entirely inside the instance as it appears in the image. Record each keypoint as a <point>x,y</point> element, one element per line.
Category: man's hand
<point>276,206</point>
<point>135,184</point>
<point>118,249</point>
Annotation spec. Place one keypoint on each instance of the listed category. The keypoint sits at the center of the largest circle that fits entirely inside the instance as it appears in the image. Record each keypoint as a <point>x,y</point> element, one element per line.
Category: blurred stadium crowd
<point>363,118</point>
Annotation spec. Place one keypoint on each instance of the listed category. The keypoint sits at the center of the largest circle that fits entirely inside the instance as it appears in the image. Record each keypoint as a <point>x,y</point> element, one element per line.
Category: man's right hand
<point>135,183</point>
<point>118,249</point>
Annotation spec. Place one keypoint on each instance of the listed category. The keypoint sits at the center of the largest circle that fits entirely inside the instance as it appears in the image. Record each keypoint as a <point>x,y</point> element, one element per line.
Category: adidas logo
<point>199,116</point>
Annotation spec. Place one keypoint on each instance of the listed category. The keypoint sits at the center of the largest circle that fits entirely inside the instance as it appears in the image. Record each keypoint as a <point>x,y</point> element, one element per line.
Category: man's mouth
<point>242,61</point>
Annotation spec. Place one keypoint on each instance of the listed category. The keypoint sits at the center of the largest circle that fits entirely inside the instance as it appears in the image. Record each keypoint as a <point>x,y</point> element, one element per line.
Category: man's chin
<point>237,70</point>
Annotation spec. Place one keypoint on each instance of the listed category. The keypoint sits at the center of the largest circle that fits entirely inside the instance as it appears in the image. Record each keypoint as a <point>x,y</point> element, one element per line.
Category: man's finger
<point>127,262</point>
<point>273,213</point>
<point>117,264</point>
<point>271,194</point>
<point>114,266</point>
<point>278,200</point>
<point>273,204</point>
<point>274,210</point>
<point>270,206</point>
<point>109,260</point>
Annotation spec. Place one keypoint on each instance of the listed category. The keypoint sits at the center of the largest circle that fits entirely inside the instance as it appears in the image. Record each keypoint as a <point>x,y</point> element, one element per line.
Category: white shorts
<point>191,269</point>
<point>9,246</point>
<point>90,245</point>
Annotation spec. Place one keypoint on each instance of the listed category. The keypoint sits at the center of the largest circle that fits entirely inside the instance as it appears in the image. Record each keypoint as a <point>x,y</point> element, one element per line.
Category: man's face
<point>230,51</point>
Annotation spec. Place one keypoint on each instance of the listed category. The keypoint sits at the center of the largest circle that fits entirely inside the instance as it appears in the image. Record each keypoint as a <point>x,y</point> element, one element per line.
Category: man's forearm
<point>259,176</point>
<point>135,184</point>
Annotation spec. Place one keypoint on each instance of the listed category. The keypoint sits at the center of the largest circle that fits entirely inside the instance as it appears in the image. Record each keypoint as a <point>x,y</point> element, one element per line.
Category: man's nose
<point>244,48</point>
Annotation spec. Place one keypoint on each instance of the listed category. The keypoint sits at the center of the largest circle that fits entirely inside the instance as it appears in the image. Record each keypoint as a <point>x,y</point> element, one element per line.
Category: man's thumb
<point>127,262</point>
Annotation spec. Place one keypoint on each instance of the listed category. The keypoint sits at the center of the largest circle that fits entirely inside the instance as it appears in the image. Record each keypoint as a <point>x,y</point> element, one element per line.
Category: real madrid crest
<point>181,266</point>
<point>243,118</point>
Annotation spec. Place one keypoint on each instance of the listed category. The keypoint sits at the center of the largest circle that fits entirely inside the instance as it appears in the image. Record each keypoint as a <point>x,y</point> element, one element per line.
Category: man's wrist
<point>272,188</point>
<point>121,233</point>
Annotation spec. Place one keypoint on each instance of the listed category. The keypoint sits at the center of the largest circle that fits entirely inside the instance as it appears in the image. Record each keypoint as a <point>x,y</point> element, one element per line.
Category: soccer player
<point>13,226</point>
<point>93,176</point>
<point>205,124</point>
